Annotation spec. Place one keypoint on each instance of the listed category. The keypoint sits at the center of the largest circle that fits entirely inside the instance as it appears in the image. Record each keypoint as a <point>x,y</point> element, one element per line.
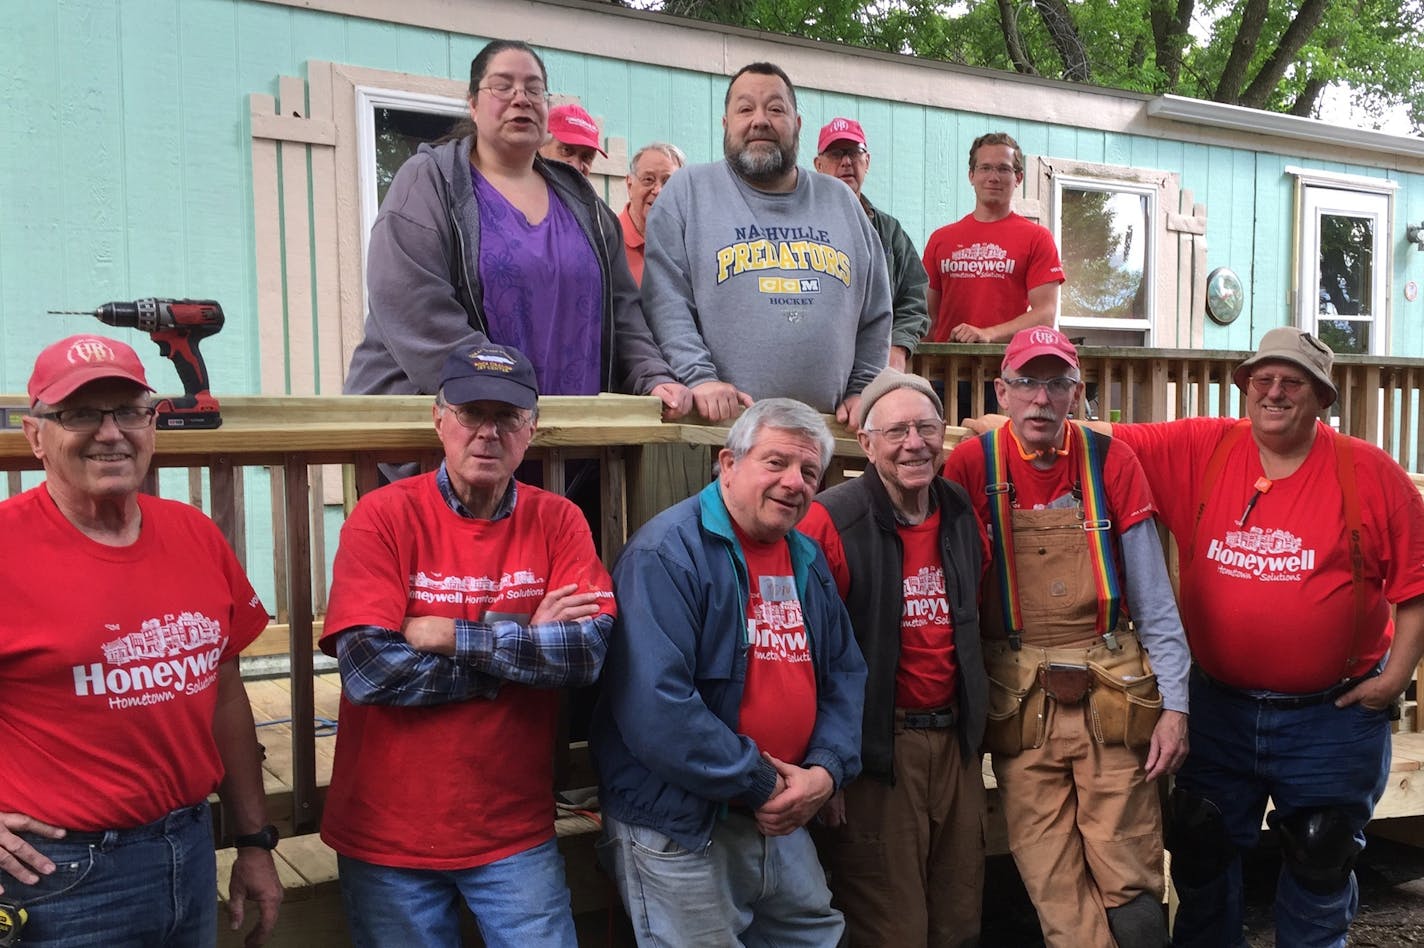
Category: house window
<point>1342,264</point>
<point>1105,232</point>
<point>1114,229</point>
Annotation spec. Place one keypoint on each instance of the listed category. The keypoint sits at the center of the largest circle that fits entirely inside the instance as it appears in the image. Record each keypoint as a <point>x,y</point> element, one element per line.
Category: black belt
<point>928,720</point>
<point>1286,702</point>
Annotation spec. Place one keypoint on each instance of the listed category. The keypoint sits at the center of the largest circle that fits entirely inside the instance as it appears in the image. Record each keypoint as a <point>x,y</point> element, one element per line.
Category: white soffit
<point>1239,118</point>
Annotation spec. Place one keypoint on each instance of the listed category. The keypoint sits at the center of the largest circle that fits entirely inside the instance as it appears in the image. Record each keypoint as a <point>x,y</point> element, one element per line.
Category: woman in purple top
<point>478,237</point>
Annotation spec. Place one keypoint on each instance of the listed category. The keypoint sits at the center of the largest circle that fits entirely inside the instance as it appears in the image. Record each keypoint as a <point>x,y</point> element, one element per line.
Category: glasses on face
<point>839,154</point>
<point>1057,388</point>
<point>650,181</point>
<point>504,91</point>
<point>129,418</point>
<point>1290,384</point>
<point>1002,171</point>
<point>896,434</point>
<point>506,420</point>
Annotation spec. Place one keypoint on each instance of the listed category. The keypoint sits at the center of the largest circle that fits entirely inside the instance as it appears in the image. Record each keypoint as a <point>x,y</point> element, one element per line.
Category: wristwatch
<point>265,838</point>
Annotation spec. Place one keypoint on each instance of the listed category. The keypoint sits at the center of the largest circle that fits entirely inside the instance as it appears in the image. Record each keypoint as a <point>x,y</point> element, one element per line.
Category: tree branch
<point>1064,34</point>
<point>1169,33</point>
<point>1248,34</point>
<point>1013,41</point>
<point>1306,22</point>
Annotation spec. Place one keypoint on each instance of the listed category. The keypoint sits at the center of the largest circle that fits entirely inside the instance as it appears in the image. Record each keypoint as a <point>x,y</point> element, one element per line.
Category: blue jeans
<point>137,888</point>
<point>520,901</point>
<point>743,889</point>
<point>1243,751</point>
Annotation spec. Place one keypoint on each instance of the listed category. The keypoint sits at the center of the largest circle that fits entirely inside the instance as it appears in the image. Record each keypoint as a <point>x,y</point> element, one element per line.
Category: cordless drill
<point>177,326</point>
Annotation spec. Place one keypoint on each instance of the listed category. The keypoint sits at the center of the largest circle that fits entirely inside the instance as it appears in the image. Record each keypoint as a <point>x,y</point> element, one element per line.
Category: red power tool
<point>177,326</point>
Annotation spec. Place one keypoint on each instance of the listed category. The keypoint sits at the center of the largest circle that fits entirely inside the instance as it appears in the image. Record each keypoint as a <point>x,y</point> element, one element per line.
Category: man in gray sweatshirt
<point>765,279</point>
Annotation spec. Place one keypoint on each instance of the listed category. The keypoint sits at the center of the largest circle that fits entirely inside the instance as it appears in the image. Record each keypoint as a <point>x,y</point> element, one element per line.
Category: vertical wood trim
<point>222,479</point>
<point>279,546</point>
<point>267,237</point>
<point>1198,280</point>
<point>296,232</point>
<point>614,483</point>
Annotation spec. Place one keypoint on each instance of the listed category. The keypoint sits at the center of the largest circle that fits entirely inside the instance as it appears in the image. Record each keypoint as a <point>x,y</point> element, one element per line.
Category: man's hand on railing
<point>676,398</point>
<point>847,411</point>
<point>719,401</point>
<point>18,857</point>
<point>985,423</point>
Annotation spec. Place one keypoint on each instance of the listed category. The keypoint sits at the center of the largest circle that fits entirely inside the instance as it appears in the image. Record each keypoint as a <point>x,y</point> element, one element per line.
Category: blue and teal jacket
<point>664,734</point>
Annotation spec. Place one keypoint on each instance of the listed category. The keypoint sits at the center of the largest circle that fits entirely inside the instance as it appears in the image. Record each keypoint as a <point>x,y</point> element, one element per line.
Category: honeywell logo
<point>977,260</point>
<point>177,654</point>
<point>1272,555</point>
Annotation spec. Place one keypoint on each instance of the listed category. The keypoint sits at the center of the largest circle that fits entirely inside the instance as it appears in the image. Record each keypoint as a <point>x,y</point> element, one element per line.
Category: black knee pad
<point>1318,847</point>
<point>1196,836</point>
<point>1140,923</point>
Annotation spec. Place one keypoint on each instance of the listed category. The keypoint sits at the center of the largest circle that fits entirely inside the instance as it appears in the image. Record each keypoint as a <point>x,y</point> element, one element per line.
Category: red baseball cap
<point>78,360</point>
<point>571,125</point>
<point>840,129</point>
<point>1038,341</point>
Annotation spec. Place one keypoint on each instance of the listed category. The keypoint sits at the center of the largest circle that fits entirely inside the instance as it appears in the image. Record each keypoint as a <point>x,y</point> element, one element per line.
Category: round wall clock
<point>1225,296</point>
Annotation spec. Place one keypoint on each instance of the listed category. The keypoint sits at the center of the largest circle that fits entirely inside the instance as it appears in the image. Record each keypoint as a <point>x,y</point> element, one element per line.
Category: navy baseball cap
<point>489,372</point>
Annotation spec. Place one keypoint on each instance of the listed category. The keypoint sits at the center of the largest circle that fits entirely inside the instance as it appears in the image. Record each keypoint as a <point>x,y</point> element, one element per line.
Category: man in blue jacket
<point>731,708</point>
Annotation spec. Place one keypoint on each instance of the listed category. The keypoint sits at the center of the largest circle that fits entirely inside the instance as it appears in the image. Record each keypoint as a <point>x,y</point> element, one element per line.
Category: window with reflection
<point>1105,232</point>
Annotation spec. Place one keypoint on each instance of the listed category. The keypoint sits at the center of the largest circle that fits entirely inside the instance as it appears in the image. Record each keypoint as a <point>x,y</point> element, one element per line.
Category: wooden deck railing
<point>1381,400</point>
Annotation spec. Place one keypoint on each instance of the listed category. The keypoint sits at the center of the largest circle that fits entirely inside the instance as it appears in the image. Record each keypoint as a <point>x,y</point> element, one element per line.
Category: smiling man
<point>1297,661</point>
<point>1081,723</point>
<point>731,703</point>
<point>460,601</point>
<point>903,544</point>
<point>124,707</point>
<point>652,165</point>
<point>763,279</point>
<point>992,272</point>
<point>843,152</point>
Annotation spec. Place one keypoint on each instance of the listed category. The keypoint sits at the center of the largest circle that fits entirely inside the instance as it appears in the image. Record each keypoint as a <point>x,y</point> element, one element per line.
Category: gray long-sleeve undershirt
<point>1154,610</point>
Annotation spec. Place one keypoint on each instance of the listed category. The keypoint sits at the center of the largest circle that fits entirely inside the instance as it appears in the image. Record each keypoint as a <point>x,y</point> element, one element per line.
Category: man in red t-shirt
<point>649,170</point>
<point>1072,700</point>
<point>992,272</point>
<point>460,601</point>
<point>124,707</point>
<point>903,544</point>
<point>1297,661</point>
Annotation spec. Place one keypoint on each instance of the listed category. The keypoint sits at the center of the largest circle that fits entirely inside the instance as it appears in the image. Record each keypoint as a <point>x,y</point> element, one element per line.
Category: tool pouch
<point>1016,700</point>
<point>1066,684</point>
<point>1124,703</point>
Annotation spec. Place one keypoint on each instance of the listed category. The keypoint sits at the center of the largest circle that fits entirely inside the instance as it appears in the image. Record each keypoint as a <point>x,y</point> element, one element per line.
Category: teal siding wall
<point>125,170</point>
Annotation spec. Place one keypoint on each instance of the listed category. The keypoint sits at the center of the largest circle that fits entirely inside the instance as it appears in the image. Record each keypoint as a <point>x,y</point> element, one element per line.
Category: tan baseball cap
<point>1298,347</point>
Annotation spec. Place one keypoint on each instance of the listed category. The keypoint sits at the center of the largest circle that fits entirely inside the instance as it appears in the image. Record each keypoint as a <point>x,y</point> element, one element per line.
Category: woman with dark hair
<point>480,238</point>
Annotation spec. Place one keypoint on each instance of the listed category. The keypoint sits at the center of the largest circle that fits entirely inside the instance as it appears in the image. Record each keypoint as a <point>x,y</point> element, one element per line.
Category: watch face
<point>1225,296</point>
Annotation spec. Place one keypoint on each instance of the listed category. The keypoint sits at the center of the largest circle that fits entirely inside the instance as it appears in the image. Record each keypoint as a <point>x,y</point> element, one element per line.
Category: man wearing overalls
<point>1080,721</point>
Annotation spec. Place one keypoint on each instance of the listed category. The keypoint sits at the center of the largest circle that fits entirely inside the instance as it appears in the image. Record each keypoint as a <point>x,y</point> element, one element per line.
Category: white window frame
<point>368,99</point>
<point>1114,185</point>
<point>1319,193</point>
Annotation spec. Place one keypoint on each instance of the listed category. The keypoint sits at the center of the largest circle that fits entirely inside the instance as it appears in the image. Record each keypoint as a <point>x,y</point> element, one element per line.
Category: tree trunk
<point>1169,32</point>
<point>1013,42</point>
<point>1064,34</point>
<point>1233,74</point>
<point>1306,22</point>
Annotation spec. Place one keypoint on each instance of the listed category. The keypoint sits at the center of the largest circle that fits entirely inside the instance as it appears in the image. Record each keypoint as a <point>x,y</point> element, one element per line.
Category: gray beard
<point>761,166</point>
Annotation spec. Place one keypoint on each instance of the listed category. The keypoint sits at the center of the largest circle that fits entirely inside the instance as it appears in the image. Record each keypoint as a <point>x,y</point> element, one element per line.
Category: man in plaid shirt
<point>460,601</point>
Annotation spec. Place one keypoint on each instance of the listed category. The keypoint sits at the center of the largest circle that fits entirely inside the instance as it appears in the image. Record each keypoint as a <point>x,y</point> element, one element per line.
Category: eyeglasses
<point>896,434</point>
<point>1056,388</point>
<point>504,91</point>
<point>651,181</point>
<point>1290,384</point>
<point>838,154</point>
<point>129,417</point>
<point>1003,171</point>
<point>506,420</point>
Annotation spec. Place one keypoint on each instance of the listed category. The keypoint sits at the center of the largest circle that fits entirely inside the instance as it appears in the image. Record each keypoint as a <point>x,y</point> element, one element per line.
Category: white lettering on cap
<point>91,349</point>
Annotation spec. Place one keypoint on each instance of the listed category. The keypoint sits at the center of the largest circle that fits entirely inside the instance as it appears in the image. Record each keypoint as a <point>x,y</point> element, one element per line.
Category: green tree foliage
<point>1268,54</point>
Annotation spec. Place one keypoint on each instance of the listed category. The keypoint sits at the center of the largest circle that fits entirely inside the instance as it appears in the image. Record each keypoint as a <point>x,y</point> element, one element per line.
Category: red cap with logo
<point>571,125</point>
<point>840,129</point>
<point>78,360</point>
<point>1038,341</point>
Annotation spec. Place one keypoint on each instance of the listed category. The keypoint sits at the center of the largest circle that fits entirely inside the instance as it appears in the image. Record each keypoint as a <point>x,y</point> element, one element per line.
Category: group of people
<point>796,687</point>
